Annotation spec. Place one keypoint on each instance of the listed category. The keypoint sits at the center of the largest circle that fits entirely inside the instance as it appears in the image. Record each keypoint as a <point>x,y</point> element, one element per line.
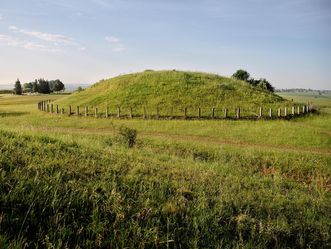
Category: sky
<point>288,42</point>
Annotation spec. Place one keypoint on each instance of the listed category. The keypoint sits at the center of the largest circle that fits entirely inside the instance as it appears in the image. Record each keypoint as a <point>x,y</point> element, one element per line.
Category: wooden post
<point>118,112</point>
<point>285,112</point>
<point>69,111</point>
<point>303,109</point>
<point>185,112</point>
<point>213,113</point>
<point>225,113</point>
<point>279,112</point>
<point>57,109</point>
<point>130,113</point>
<point>199,112</point>
<point>298,110</point>
<point>157,113</point>
<point>52,108</point>
<point>260,112</point>
<point>96,112</point>
<point>86,111</point>
<point>62,111</point>
<point>238,113</point>
<point>293,110</point>
<point>77,111</point>
<point>107,111</point>
<point>145,113</point>
<point>270,113</point>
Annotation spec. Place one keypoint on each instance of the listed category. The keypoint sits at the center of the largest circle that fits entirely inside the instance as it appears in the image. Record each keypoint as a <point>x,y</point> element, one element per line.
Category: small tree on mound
<point>264,84</point>
<point>261,83</point>
<point>18,87</point>
<point>241,75</point>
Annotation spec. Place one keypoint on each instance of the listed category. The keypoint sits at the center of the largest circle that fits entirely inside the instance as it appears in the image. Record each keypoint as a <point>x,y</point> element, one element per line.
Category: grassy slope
<point>192,192</point>
<point>172,91</point>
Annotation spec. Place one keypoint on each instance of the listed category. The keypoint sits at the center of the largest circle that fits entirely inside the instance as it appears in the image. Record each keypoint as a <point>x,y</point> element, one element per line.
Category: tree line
<point>260,83</point>
<point>39,86</point>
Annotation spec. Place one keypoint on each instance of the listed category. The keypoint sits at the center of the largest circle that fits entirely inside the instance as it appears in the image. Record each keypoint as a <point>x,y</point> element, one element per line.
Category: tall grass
<point>64,195</point>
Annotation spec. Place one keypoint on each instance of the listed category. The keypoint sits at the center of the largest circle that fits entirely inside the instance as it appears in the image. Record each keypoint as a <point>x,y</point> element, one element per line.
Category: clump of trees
<point>261,83</point>
<point>43,86</point>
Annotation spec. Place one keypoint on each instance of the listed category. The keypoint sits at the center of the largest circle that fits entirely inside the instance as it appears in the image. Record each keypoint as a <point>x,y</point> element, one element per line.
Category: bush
<point>127,136</point>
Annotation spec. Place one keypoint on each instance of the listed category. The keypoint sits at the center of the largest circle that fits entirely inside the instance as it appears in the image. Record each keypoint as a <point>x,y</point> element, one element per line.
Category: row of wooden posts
<point>48,106</point>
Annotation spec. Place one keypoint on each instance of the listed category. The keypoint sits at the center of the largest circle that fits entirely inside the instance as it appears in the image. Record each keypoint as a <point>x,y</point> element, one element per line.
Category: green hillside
<point>172,91</point>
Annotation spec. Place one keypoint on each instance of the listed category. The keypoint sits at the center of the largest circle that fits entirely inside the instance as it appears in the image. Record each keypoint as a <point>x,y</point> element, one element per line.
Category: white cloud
<point>112,39</point>
<point>43,36</point>
<point>55,39</point>
<point>116,44</point>
<point>103,3</point>
<point>30,45</point>
<point>119,49</point>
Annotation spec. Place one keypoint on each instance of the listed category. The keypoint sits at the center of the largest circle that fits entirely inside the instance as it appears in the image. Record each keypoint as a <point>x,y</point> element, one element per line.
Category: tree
<point>57,86</point>
<point>27,87</point>
<point>35,86</point>
<point>264,84</point>
<point>241,75</point>
<point>79,89</point>
<point>18,87</point>
<point>43,86</point>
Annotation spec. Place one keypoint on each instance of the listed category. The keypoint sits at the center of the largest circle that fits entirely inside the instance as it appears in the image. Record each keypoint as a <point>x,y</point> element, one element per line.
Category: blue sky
<point>82,41</point>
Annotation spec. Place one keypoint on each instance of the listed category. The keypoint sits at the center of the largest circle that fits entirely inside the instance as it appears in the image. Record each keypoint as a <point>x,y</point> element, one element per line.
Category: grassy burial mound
<point>172,91</point>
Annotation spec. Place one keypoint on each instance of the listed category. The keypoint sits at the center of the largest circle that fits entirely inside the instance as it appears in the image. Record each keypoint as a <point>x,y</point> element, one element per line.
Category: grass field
<point>71,182</point>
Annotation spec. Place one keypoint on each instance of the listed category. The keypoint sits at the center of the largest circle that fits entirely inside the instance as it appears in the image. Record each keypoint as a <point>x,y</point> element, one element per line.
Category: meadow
<point>71,182</point>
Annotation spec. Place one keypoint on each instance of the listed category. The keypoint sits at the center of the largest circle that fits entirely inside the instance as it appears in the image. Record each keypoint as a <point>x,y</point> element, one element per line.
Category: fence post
<point>260,112</point>
<point>118,112</point>
<point>69,112</point>
<point>185,112</point>
<point>293,110</point>
<point>270,113</point>
<point>238,113</point>
<point>57,109</point>
<point>52,108</point>
<point>77,111</point>
<point>303,109</point>
<point>96,112</point>
<point>107,111</point>
<point>213,113</point>
<point>298,110</point>
<point>62,111</point>
<point>285,112</point>
<point>157,113</point>
<point>130,113</point>
<point>225,113</point>
<point>86,111</point>
<point>199,112</point>
<point>279,112</point>
<point>145,113</point>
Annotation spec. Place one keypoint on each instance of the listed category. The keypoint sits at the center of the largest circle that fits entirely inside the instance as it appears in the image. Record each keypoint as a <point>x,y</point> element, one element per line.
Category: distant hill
<point>173,90</point>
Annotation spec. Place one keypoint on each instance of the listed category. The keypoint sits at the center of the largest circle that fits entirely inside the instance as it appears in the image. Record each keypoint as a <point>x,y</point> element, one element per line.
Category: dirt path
<point>192,138</point>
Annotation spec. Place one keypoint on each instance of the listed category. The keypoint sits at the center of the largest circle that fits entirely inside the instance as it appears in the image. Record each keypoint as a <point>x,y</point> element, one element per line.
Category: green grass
<point>172,91</point>
<point>68,181</point>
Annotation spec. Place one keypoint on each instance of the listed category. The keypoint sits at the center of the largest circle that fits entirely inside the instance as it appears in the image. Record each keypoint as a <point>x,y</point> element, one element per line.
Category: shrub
<point>127,136</point>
